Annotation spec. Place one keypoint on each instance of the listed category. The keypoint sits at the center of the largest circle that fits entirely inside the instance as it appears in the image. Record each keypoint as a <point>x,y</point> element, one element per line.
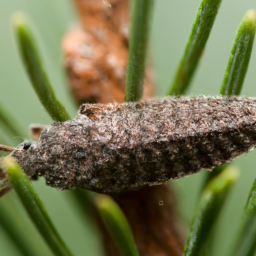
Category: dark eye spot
<point>26,144</point>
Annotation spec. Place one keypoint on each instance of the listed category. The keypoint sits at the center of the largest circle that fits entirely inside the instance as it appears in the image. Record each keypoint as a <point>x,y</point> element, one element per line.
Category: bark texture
<point>96,54</point>
<point>152,215</point>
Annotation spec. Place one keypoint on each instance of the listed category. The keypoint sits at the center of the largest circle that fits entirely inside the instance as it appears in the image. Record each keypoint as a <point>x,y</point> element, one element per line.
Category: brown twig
<point>152,215</point>
<point>4,191</point>
<point>6,148</point>
<point>96,54</point>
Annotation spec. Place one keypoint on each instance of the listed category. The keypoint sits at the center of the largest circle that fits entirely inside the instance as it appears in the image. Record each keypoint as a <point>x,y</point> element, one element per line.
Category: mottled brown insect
<point>115,147</point>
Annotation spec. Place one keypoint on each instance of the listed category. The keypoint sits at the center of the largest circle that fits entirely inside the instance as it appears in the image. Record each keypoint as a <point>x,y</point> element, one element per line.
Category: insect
<point>111,148</point>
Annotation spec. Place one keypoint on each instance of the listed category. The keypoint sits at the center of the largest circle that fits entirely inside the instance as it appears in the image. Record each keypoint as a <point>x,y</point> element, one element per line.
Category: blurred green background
<point>171,26</point>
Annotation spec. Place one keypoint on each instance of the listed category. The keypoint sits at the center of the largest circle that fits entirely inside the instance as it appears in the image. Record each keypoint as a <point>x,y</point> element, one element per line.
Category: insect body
<point>111,148</point>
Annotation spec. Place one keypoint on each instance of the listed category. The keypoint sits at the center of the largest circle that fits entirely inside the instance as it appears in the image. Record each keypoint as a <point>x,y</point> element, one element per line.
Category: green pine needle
<point>199,35</point>
<point>14,231</point>
<point>240,56</point>
<point>245,244</point>
<point>140,27</point>
<point>206,214</point>
<point>33,64</point>
<point>117,225</point>
<point>29,198</point>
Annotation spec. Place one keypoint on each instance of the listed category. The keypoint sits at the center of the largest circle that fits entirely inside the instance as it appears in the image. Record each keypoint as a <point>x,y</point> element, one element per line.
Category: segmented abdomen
<point>111,148</point>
